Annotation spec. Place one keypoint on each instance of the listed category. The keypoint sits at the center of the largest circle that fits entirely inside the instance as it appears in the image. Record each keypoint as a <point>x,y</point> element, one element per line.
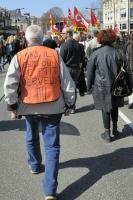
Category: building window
<point>131,0</point>
<point>131,12</point>
<point>123,12</point>
<point>131,26</point>
<point>124,26</point>
<point>106,17</point>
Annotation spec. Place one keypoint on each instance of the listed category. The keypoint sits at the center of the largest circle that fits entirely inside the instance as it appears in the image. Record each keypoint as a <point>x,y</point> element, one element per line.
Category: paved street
<point>90,169</point>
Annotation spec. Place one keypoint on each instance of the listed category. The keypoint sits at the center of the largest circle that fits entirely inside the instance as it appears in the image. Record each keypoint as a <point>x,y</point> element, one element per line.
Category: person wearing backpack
<point>102,68</point>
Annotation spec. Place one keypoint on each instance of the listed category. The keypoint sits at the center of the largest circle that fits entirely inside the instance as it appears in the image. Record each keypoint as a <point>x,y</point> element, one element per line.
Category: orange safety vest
<point>39,75</point>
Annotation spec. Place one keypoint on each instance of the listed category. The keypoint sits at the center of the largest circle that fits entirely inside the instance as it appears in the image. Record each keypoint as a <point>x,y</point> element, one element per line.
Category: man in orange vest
<point>46,91</point>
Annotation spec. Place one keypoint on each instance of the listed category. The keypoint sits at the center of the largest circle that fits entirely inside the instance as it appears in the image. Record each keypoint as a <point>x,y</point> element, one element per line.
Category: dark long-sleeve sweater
<point>71,53</point>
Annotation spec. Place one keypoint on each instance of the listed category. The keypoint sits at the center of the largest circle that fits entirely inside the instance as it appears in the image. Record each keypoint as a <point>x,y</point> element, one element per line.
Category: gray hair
<point>68,30</point>
<point>34,34</point>
<point>76,36</point>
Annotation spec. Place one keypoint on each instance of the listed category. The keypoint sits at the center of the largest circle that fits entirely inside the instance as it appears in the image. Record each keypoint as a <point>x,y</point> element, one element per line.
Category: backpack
<point>121,86</point>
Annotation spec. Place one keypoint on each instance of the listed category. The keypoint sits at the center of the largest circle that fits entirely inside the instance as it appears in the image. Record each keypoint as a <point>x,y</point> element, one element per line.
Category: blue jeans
<point>51,136</point>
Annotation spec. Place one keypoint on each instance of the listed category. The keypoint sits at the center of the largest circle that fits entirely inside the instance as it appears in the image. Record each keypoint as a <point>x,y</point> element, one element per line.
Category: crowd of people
<point>9,46</point>
<point>41,84</point>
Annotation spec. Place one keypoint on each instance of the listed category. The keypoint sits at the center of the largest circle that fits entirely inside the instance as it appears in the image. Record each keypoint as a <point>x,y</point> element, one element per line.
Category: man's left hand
<point>13,114</point>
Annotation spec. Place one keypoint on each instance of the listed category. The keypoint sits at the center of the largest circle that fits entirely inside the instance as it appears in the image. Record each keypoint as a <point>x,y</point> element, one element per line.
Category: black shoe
<point>106,136</point>
<point>73,111</point>
<point>116,133</point>
<point>130,106</point>
<point>82,94</point>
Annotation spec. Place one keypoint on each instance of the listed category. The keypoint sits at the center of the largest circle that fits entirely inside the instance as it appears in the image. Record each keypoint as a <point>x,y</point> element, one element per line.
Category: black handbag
<point>121,86</point>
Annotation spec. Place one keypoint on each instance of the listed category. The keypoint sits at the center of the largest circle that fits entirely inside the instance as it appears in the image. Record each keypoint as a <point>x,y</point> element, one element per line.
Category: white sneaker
<point>50,198</point>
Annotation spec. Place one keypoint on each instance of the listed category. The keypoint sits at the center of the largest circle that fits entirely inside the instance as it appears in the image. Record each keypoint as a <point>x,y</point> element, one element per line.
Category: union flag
<point>54,28</point>
<point>64,22</point>
<point>94,20</point>
<point>80,23</point>
<point>70,17</point>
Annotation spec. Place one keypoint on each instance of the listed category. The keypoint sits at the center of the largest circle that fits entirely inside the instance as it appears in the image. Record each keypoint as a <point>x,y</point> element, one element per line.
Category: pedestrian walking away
<point>71,53</point>
<point>92,45</point>
<point>103,66</point>
<point>46,91</point>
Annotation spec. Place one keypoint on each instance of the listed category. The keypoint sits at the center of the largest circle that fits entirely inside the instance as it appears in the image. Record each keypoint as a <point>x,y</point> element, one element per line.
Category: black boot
<point>115,131</point>
<point>130,106</point>
<point>106,135</point>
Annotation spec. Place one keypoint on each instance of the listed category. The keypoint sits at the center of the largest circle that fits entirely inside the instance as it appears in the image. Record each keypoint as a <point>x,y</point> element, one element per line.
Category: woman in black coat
<point>102,69</point>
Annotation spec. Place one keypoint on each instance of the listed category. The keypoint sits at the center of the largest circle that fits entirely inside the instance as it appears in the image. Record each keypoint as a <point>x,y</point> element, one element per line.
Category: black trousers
<point>108,116</point>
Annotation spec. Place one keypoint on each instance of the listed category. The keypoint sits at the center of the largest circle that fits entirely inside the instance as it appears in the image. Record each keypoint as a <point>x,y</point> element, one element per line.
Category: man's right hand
<point>68,109</point>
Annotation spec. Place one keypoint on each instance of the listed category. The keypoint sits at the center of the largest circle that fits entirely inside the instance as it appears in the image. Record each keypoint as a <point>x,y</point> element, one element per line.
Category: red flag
<point>70,17</point>
<point>64,22</point>
<point>53,26</point>
<point>78,19</point>
<point>51,18</point>
<point>55,29</point>
<point>94,20</point>
<point>85,22</point>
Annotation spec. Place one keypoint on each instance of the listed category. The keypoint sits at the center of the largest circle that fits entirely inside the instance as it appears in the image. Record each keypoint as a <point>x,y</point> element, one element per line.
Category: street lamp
<point>93,8</point>
<point>100,13</point>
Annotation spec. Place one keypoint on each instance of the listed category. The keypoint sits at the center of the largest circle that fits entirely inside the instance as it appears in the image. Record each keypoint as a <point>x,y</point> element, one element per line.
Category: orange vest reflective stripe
<point>39,75</point>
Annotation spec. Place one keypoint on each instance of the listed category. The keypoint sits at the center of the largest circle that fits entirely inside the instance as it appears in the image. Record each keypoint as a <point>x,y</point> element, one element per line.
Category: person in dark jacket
<point>81,80</point>
<point>71,53</point>
<point>102,69</point>
<point>50,43</point>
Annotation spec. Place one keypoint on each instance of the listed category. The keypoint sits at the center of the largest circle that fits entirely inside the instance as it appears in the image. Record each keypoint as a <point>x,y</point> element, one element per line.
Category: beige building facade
<point>119,14</point>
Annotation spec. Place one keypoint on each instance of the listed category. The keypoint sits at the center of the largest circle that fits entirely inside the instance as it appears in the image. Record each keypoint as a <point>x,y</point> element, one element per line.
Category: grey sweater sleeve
<point>90,72</point>
<point>67,84</point>
<point>11,84</point>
